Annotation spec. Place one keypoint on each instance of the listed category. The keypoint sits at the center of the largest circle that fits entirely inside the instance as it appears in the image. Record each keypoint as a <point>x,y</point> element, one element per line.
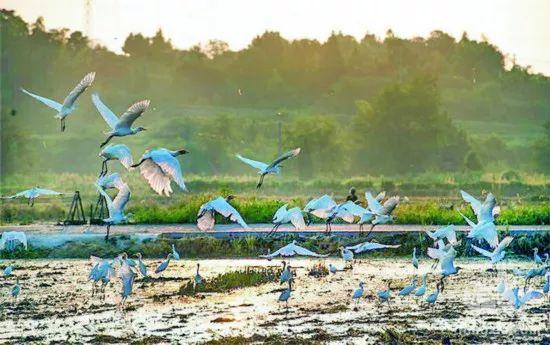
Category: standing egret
<point>285,294</point>
<point>414,259</point>
<point>408,288</point>
<point>332,268</point>
<point>114,152</point>
<point>385,295</point>
<point>347,256</point>
<point>175,253</point>
<point>116,206</point>
<point>16,289</point>
<point>127,275</point>
<point>198,279</point>
<point>32,194</point>
<point>159,167</point>
<point>536,257</point>
<point>122,126</point>
<point>320,207</point>
<point>8,270</point>
<point>141,266</point>
<point>68,106</point>
<point>272,168</point>
<point>358,293</point>
<point>498,253</point>
<point>286,273</point>
<point>206,219</point>
<point>433,296</point>
<point>546,287</point>
<point>447,232</point>
<point>368,246</point>
<point>530,274</point>
<point>292,249</point>
<point>283,215</point>
<point>163,265</point>
<point>422,289</point>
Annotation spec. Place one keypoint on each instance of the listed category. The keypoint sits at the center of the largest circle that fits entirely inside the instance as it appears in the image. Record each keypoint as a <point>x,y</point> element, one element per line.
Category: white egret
<point>368,246</point>
<point>332,269</point>
<point>447,232</point>
<point>127,276</point>
<point>286,273</point>
<point>206,219</point>
<point>175,253</point>
<point>546,287</point>
<point>32,194</point>
<point>347,255</point>
<point>433,296</point>
<point>385,295</point>
<point>501,287</point>
<point>531,273</point>
<point>272,168</point>
<point>382,212</point>
<point>485,213</point>
<point>164,264</point>
<point>358,293</point>
<point>498,253</point>
<point>114,152</point>
<point>536,257</point>
<point>346,211</point>
<point>141,265</point>
<point>414,259</point>
<point>448,266</point>
<point>408,288</point>
<point>8,270</point>
<point>422,289</point>
<point>368,215</point>
<point>16,289</point>
<point>116,206</point>
<point>320,207</point>
<point>159,167</point>
<point>285,294</point>
<point>197,280</point>
<point>122,126</point>
<point>518,301</point>
<point>283,215</point>
<point>292,249</point>
<point>102,270</point>
<point>68,106</point>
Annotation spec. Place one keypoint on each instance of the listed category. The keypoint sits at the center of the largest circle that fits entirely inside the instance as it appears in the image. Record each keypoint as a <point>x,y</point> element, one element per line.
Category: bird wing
<point>435,253</point>
<point>296,218</point>
<point>170,166</point>
<point>482,251</point>
<point>79,89</point>
<point>345,216</point>
<point>374,205</point>
<point>285,156</point>
<point>225,209</point>
<point>323,203</point>
<point>447,262</point>
<point>531,294</point>
<point>122,198</point>
<point>252,163</point>
<point>280,213</point>
<point>283,251</point>
<point>157,179</point>
<point>487,231</point>
<point>474,203</point>
<point>354,209</point>
<point>206,219</point>
<point>504,243</point>
<point>49,102</point>
<point>470,223</point>
<point>381,196</point>
<point>135,111</point>
<point>105,112</point>
<point>122,153</point>
<point>42,191</point>
<point>305,252</point>
<point>486,210</point>
<point>108,200</point>
<point>451,235</point>
<point>110,181</point>
<point>390,205</point>
<point>366,246</point>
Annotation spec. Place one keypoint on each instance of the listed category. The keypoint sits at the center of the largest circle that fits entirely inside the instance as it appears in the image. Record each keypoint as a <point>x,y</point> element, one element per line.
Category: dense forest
<point>371,106</point>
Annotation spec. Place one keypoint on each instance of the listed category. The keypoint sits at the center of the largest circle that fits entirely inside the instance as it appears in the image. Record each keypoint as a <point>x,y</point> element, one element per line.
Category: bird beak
<point>182,152</point>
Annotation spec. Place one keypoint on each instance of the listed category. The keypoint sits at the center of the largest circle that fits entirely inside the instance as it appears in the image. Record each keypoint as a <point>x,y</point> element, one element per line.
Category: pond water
<point>56,305</point>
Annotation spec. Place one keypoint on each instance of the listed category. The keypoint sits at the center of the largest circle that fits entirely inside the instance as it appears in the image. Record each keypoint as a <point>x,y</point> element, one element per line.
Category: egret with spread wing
<point>284,215</point>
<point>116,206</point>
<point>206,219</point>
<point>272,168</point>
<point>122,126</point>
<point>32,194</point>
<point>320,207</point>
<point>367,246</point>
<point>293,249</point>
<point>114,152</point>
<point>159,167</point>
<point>68,106</point>
<point>498,253</point>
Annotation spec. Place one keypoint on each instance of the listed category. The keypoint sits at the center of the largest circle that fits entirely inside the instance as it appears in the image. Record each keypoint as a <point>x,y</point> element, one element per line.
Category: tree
<point>472,162</point>
<point>541,150</point>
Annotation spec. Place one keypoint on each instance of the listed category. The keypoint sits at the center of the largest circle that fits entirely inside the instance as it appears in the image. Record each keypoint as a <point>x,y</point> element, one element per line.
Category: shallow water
<point>56,304</point>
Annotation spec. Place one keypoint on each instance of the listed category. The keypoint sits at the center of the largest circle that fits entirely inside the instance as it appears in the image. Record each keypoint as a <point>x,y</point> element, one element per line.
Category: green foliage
<point>229,281</point>
<point>542,150</point>
<point>472,162</point>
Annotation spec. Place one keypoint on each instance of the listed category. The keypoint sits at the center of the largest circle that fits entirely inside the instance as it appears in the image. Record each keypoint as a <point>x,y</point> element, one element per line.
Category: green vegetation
<point>422,104</point>
<point>245,247</point>
<point>229,281</point>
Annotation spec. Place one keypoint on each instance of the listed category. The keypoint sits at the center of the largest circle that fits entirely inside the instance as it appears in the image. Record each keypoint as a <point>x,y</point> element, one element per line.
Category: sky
<point>520,28</point>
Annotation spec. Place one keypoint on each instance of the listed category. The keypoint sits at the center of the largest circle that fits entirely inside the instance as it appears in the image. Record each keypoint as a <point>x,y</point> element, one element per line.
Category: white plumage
<point>206,219</point>
<point>447,232</point>
<point>159,167</point>
<point>284,215</point>
<point>114,152</point>
<point>293,249</point>
<point>272,168</point>
<point>366,246</point>
<point>116,206</point>
<point>320,207</point>
<point>498,253</point>
<point>32,194</point>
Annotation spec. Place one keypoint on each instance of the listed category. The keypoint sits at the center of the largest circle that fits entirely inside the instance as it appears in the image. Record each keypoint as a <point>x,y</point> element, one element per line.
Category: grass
<point>246,247</point>
<point>229,281</point>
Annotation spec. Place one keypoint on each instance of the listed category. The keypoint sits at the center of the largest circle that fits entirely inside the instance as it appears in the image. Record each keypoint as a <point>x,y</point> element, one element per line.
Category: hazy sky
<point>521,28</point>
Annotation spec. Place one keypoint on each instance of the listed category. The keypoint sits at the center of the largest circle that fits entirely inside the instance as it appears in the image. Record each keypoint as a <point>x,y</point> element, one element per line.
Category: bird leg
<point>107,236</point>
<point>275,227</point>
<point>63,125</point>
<point>370,230</point>
<point>107,140</point>
<point>360,227</point>
<point>103,169</point>
<point>442,282</point>
<point>32,202</point>
<point>138,164</point>
<point>261,181</point>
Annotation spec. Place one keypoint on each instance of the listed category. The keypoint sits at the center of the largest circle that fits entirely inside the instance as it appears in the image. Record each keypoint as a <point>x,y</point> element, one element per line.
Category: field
<point>57,299</point>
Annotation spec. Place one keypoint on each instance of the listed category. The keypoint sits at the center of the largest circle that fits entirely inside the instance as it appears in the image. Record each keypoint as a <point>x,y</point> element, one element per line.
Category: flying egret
<point>283,215</point>
<point>414,259</point>
<point>116,206</point>
<point>114,152</point>
<point>141,266</point>
<point>68,106</point>
<point>272,168</point>
<point>320,207</point>
<point>408,288</point>
<point>122,126</point>
<point>206,219</point>
<point>286,273</point>
<point>197,280</point>
<point>346,211</point>
<point>16,289</point>
<point>32,194</point>
<point>159,167</point>
<point>347,255</point>
<point>433,296</point>
<point>292,249</point>
<point>518,301</point>
<point>382,212</point>
<point>164,264</point>
<point>448,266</point>
<point>368,246</point>
<point>536,257</point>
<point>485,213</point>
<point>438,252</point>
<point>422,289</point>
<point>175,253</point>
<point>368,215</point>
<point>447,232</point>
<point>358,293</point>
<point>498,253</point>
<point>8,270</point>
